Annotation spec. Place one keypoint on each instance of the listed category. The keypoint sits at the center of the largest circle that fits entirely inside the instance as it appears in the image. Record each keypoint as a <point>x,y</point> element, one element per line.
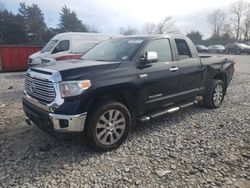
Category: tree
<point>2,6</point>
<point>92,29</point>
<point>69,21</point>
<point>237,10</point>
<point>12,28</point>
<point>217,21</point>
<point>166,26</point>
<point>149,28</point>
<point>247,22</point>
<point>34,21</point>
<point>195,36</point>
<point>128,31</point>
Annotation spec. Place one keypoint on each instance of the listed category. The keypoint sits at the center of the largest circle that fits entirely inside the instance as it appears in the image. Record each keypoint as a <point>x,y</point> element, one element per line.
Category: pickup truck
<point>122,82</point>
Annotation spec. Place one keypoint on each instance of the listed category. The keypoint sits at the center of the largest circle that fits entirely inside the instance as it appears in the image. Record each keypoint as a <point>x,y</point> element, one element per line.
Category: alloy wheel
<point>110,127</point>
<point>218,94</point>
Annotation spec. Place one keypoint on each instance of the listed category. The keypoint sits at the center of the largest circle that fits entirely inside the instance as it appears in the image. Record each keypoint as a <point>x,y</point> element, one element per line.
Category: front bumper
<point>68,123</point>
<point>53,122</point>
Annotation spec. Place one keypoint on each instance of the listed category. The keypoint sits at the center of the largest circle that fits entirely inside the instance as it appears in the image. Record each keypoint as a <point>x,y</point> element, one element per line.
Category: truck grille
<point>40,89</point>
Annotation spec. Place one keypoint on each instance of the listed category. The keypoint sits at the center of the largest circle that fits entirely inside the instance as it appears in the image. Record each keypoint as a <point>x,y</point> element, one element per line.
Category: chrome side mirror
<point>151,57</point>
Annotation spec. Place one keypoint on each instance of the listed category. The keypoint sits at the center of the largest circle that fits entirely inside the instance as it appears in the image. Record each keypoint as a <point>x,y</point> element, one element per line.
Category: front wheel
<point>107,126</point>
<point>215,95</point>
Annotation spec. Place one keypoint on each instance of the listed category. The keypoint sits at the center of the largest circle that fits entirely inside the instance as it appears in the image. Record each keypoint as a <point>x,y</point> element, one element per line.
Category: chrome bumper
<point>68,123</point>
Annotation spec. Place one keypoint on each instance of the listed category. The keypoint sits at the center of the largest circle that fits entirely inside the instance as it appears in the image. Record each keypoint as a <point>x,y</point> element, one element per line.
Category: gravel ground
<point>195,147</point>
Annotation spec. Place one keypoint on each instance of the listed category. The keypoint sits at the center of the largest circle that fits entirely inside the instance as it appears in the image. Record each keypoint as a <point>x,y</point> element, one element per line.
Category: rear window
<point>183,49</point>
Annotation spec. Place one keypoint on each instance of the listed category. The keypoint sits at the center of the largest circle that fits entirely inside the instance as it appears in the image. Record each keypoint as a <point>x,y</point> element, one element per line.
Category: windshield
<point>49,46</point>
<point>219,47</point>
<point>244,45</point>
<point>201,46</point>
<point>122,49</point>
<point>84,48</point>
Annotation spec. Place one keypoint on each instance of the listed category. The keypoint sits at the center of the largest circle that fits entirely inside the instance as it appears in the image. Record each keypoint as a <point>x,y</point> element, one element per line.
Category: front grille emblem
<point>33,87</point>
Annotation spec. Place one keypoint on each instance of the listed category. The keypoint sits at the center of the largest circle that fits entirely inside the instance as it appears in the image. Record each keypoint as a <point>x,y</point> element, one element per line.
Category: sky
<point>109,15</point>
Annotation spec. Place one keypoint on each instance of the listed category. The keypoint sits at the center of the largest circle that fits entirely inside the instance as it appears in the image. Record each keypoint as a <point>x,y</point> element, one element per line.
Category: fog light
<point>63,123</point>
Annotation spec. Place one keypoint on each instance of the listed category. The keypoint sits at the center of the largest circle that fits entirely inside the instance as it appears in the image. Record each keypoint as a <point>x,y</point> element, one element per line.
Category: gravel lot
<point>196,147</point>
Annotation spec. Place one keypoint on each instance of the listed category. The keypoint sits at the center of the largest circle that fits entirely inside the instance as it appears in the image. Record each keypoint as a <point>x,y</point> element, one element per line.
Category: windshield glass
<point>218,46</point>
<point>49,46</point>
<point>244,45</point>
<point>84,48</point>
<point>122,49</point>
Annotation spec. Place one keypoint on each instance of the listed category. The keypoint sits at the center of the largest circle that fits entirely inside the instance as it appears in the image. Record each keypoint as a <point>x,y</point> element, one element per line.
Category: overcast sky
<point>109,15</point>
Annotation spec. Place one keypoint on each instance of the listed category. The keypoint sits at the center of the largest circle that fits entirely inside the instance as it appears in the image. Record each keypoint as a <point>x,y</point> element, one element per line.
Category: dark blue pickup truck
<point>121,82</point>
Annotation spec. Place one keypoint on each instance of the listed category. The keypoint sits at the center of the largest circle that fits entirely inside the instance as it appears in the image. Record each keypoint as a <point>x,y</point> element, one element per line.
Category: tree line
<point>228,25</point>
<point>28,25</point>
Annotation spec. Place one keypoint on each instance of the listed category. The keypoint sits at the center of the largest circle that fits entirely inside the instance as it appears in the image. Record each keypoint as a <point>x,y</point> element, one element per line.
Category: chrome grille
<point>40,89</point>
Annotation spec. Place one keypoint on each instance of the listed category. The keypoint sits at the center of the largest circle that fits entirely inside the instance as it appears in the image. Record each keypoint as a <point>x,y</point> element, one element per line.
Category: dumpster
<point>15,58</point>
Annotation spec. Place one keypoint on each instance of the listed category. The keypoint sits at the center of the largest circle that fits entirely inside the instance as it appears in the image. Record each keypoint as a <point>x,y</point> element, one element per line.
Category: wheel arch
<point>221,76</point>
<point>124,96</point>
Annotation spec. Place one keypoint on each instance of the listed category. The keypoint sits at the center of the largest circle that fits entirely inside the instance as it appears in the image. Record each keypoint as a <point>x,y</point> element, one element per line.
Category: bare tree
<point>2,6</point>
<point>217,21</point>
<point>166,26</point>
<point>237,10</point>
<point>247,22</point>
<point>149,28</point>
<point>128,31</point>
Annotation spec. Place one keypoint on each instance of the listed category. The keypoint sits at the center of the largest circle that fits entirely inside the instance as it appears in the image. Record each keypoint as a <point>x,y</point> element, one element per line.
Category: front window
<point>162,48</point>
<point>62,46</point>
<point>122,49</point>
<point>49,46</point>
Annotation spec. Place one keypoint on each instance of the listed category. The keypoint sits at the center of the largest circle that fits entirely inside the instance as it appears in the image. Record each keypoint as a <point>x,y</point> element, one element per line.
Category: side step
<point>163,112</point>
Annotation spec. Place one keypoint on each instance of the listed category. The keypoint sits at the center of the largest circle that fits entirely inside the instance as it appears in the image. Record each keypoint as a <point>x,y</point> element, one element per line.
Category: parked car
<point>120,82</point>
<point>70,45</point>
<point>76,54</point>
<point>216,49</point>
<point>237,48</point>
<point>201,48</point>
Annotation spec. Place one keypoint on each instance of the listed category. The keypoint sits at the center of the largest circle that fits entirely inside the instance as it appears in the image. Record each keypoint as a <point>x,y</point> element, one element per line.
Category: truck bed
<point>210,59</point>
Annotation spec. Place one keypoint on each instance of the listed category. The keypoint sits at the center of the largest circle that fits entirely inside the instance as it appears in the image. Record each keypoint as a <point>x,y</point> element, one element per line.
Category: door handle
<point>174,69</point>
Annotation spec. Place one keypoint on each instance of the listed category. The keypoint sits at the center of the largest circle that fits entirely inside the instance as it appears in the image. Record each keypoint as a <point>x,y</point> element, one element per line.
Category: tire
<point>102,132</point>
<point>217,89</point>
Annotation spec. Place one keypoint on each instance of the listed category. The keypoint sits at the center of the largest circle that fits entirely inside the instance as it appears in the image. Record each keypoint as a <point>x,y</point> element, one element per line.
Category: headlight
<point>73,88</point>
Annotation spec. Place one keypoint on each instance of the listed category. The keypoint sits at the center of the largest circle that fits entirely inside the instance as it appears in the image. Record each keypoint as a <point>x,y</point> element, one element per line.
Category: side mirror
<point>151,57</point>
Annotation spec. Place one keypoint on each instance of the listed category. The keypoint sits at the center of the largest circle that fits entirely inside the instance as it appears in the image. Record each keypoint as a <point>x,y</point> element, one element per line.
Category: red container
<point>15,58</point>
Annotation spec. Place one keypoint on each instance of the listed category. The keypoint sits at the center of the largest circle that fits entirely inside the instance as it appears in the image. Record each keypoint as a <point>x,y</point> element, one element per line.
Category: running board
<point>163,112</point>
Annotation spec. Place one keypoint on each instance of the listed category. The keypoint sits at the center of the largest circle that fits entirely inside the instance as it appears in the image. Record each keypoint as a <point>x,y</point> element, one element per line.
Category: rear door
<point>159,80</point>
<point>190,69</point>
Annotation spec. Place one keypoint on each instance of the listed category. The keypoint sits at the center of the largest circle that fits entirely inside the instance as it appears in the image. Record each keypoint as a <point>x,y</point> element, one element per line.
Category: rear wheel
<point>108,126</point>
<point>215,95</point>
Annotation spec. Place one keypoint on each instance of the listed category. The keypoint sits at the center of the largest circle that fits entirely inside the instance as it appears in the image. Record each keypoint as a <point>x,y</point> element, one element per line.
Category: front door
<point>159,80</point>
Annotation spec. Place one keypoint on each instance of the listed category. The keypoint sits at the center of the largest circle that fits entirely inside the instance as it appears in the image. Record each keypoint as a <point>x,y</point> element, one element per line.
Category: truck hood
<point>77,69</point>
